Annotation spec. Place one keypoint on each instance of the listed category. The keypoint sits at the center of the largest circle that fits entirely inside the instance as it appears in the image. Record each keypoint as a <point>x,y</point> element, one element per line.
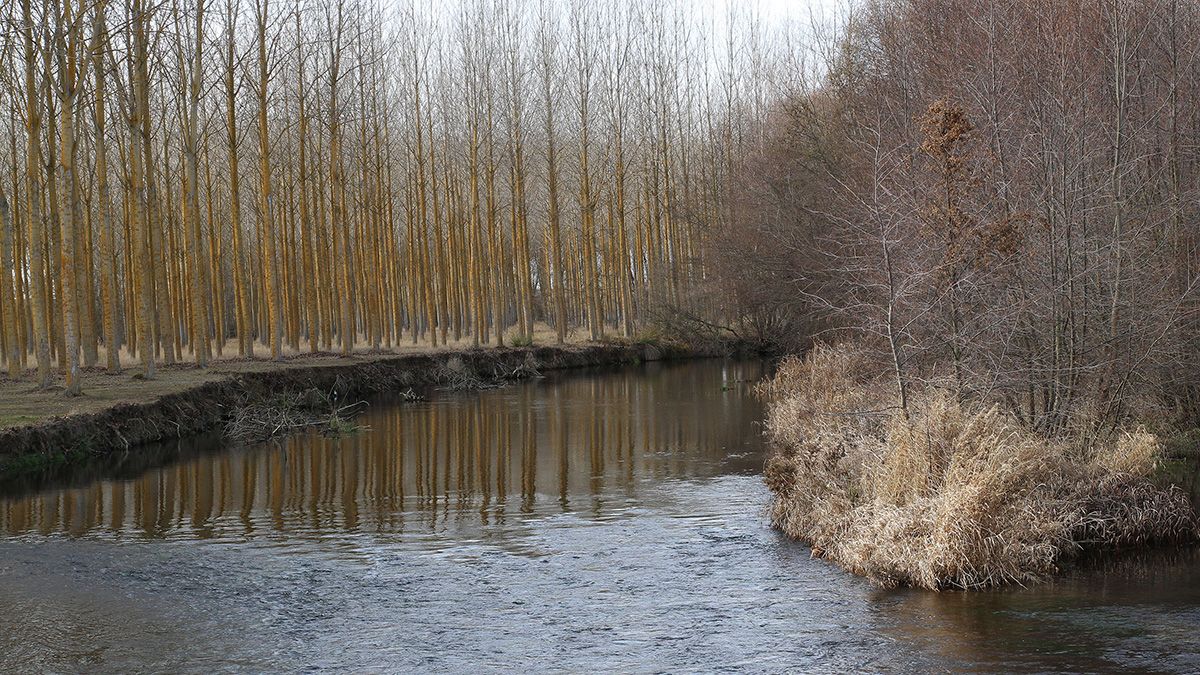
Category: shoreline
<point>57,441</point>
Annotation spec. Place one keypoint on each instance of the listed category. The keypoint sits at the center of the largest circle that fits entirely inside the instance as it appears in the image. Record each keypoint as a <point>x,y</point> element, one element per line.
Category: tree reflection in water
<point>578,442</point>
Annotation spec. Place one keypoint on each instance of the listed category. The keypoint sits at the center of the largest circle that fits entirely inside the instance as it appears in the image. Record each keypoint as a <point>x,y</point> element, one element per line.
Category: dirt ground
<point>22,403</point>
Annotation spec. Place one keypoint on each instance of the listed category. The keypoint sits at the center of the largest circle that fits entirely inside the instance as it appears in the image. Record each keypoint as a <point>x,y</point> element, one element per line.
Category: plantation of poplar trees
<point>189,179</point>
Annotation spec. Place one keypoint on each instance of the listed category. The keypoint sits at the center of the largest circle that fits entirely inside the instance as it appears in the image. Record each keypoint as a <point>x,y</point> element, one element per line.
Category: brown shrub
<point>955,495</point>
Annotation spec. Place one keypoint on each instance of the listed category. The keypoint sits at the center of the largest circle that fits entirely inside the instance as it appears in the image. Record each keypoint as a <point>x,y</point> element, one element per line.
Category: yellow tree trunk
<point>8,299</point>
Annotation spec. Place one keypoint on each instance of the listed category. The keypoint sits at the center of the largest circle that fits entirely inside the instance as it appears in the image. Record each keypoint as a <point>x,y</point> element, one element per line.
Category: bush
<point>954,495</point>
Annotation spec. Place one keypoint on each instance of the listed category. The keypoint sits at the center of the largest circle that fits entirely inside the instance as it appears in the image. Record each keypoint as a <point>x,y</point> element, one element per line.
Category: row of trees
<point>1001,196</point>
<point>321,174</point>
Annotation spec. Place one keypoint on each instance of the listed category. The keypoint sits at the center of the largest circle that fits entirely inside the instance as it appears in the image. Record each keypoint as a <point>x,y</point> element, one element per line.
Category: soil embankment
<point>210,405</point>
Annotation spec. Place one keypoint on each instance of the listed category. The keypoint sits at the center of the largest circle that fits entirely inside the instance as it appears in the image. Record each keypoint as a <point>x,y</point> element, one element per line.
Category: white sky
<point>794,9</point>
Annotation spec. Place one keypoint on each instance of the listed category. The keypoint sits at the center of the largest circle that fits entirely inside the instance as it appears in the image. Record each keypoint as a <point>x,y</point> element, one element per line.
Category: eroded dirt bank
<point>209,406</point>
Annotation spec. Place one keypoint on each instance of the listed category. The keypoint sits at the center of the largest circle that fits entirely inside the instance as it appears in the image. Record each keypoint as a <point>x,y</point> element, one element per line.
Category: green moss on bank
<point>18,468</point>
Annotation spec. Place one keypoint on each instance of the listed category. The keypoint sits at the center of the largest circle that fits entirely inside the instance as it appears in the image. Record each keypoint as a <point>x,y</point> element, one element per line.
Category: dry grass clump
<point>954,496</point>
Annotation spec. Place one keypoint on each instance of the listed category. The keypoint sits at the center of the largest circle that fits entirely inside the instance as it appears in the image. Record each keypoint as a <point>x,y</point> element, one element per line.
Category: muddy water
<point>604,521</point>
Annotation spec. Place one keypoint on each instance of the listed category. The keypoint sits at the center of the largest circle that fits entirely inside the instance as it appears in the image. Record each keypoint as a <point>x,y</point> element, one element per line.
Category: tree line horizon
<point>328,173</point>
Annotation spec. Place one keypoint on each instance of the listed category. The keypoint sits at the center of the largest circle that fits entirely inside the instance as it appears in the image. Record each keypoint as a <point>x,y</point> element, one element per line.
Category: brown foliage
<point>904,187</point>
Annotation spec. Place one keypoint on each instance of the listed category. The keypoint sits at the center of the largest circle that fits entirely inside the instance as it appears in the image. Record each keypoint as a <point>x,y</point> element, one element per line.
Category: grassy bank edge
<point>57,442</point>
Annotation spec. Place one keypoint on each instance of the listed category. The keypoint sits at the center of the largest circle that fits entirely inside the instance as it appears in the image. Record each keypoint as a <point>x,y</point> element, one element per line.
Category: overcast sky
<point>795,9</point>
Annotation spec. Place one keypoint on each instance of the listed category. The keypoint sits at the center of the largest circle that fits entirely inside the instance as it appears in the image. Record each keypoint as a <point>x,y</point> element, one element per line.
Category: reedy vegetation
<point>991,209</point>
<point>951,494</point>
<point>321,174</point>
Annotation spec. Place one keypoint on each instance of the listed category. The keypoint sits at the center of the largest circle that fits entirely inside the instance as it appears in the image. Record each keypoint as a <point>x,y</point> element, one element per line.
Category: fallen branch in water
<point>285,413</point>
<point>456,375</point>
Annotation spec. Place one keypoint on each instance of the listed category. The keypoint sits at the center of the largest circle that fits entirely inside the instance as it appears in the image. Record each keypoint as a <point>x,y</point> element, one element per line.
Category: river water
<point>589,521</point>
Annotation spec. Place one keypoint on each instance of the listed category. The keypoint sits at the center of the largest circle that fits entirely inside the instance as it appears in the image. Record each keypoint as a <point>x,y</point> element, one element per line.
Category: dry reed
<point>953,495</point>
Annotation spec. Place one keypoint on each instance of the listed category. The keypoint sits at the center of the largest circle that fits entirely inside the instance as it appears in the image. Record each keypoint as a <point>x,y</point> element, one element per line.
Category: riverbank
<point>43,429</point>
<point>588,520</point>
<point>948,493</point>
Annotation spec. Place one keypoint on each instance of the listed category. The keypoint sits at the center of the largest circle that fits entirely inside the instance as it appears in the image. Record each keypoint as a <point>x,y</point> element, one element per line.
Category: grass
<point>954,495</point>
<point>648,338</point>
<point>520,340</point>
<point>14,469</point>
<point>19,466</point>
<point>1183,444</point>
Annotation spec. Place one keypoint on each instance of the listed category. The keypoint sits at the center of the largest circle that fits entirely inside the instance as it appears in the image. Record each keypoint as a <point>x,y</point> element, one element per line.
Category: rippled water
<point>605,521</point>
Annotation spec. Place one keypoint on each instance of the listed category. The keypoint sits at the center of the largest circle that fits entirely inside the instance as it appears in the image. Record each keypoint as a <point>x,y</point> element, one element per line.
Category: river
<point>609,520</point>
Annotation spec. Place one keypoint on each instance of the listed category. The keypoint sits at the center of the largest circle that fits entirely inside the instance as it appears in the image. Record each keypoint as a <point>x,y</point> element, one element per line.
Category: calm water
<point>606,521</point>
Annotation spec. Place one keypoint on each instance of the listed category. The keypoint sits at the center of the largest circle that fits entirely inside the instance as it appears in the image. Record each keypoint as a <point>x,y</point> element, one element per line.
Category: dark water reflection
<point>609,521</point>
<point>564,444</point>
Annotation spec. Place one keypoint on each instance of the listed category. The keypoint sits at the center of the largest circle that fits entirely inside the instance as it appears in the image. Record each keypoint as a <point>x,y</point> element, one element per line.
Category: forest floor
<point>22,403</point>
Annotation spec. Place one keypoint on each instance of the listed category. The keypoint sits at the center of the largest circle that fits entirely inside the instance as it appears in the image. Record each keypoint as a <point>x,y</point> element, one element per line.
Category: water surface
<point>594,521</point>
